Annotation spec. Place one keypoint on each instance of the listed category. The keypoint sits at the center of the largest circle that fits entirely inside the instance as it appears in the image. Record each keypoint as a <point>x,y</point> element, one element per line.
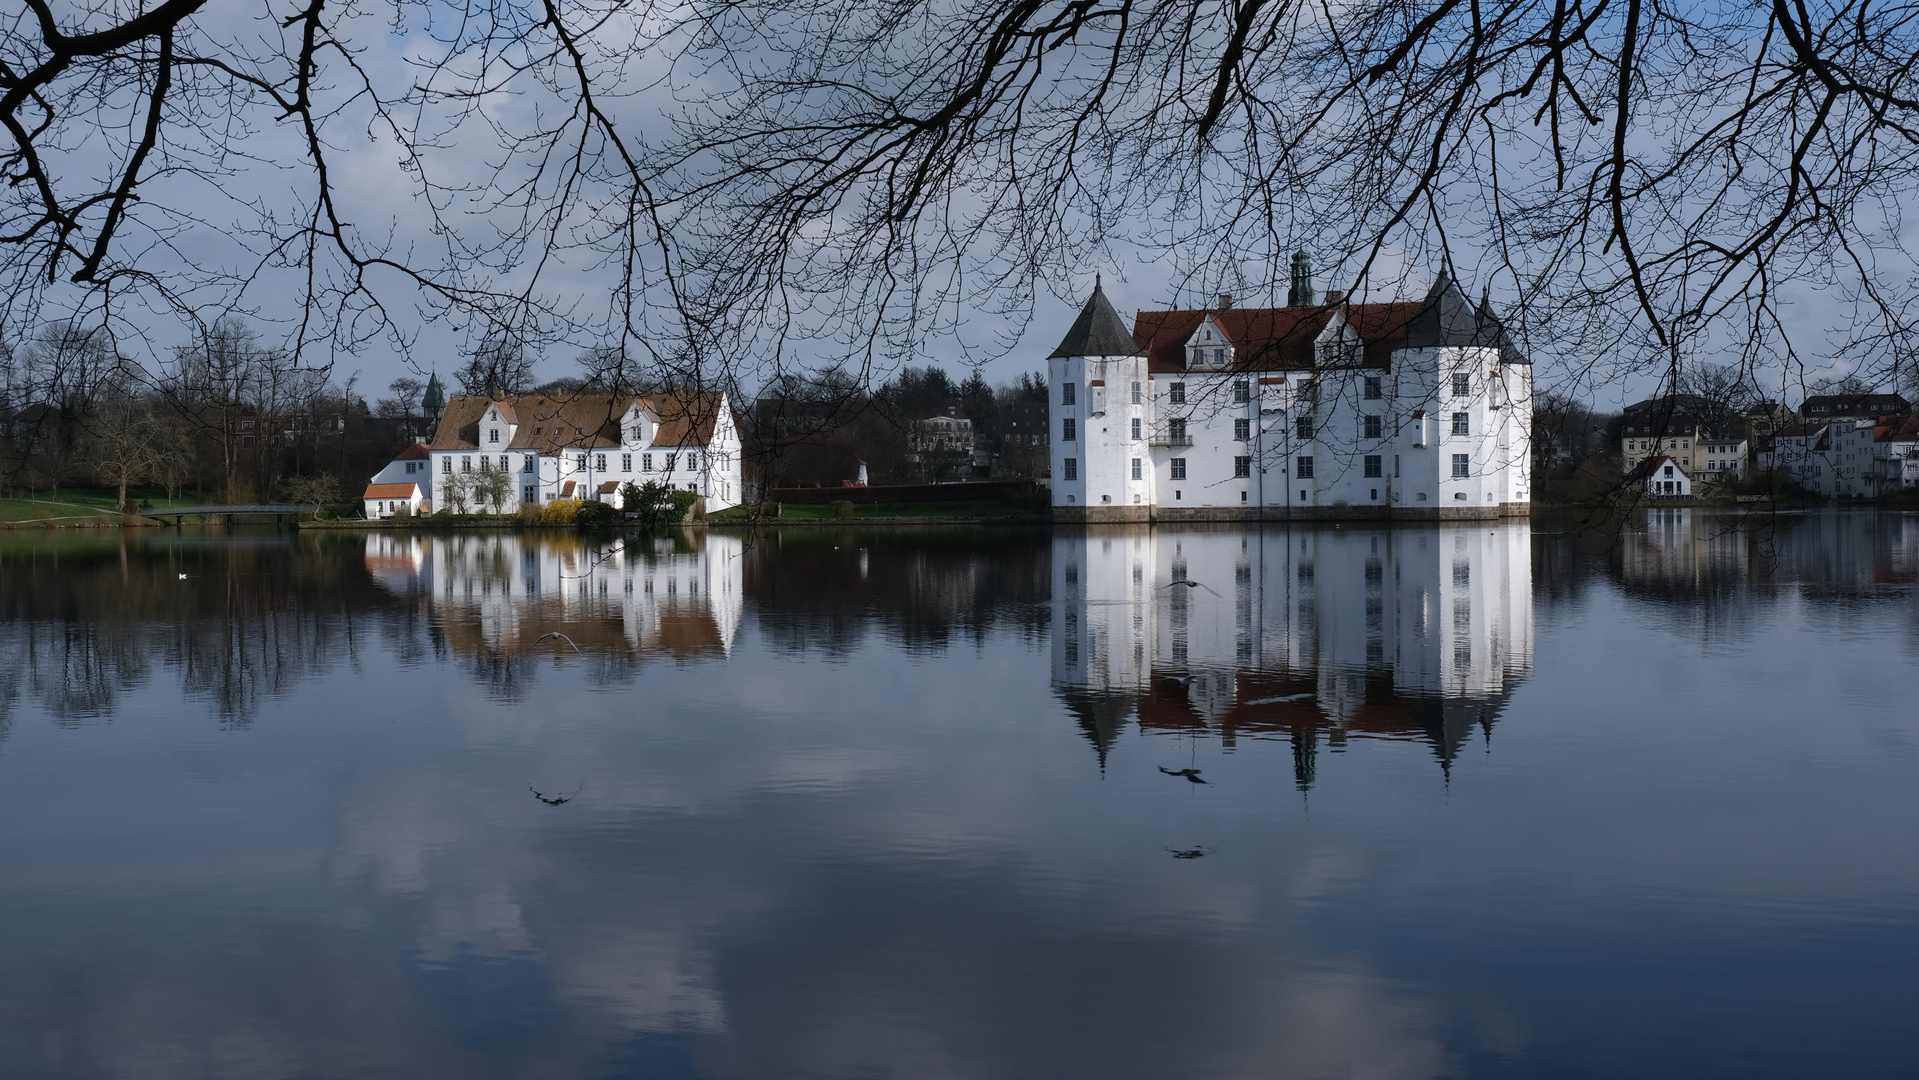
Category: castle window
<point>1136,469</point>
<point>1242,466</point>
<point>1177,468</point>
<point>1370,426</point>
<point>1219,357</point>
<point>1068,430</point>
<point>1303,427</point>
<point>1242,391</point>
<point>579,462</point>
<point>1176,429</point>
<point>1303,468</point>
<point>1242,429</point>
<point>1372,388</point>
<point>1373,465</point>
<point>1176,393</point>
<point>1462,465</point>
<point>646,462</point>
<point>527,465</point>
<point>1136,423</point>
<point>1135,393</point>
<point>1070,469</point>
<point>626,462</point>
<point>1462,423</point>
<point>1066,391</point>
<point>446,464</point>
<point>492,434</point>
<point>1462,385</point>
<point>599,462</point>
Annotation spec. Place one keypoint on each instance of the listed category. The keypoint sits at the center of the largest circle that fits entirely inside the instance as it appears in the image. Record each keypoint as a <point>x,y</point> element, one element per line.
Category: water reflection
<point>499,599</point>
<point>832,819</point>
<point>1332,633</point>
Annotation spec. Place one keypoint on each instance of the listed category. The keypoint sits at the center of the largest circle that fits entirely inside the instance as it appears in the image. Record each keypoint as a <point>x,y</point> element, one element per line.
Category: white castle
<point>1420,409</point>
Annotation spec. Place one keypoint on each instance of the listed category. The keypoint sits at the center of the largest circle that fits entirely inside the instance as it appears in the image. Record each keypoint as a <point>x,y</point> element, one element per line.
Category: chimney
<point>1335,297</point>
<point>1225,301</point>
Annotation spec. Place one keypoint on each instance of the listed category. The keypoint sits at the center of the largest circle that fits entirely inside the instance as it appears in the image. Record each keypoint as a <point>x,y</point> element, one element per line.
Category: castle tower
<point>1102,467</point>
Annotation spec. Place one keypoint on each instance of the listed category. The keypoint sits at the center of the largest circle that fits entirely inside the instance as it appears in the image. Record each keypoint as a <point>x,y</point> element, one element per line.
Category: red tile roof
<point>391,491</point>
<point>1272,339</point>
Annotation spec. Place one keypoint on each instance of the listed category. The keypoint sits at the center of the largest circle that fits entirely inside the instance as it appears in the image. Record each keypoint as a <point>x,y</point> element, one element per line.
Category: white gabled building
<point>1419,409</point>
<point>585,446</point>
<point>1665,477</point>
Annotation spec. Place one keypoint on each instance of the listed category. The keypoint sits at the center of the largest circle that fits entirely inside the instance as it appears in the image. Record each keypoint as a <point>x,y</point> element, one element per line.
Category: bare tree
<point>1646,179</point>
<point>498,367</point>
<point>130,439</point>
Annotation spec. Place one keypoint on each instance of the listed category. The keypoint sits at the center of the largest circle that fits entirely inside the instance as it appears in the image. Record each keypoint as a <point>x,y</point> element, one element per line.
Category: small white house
<point>1666,477</point>
<point>413,466</point>
<point>385,500</point>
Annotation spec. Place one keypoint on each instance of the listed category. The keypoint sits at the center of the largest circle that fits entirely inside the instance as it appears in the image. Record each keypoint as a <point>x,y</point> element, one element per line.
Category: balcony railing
<point>1161,438</point>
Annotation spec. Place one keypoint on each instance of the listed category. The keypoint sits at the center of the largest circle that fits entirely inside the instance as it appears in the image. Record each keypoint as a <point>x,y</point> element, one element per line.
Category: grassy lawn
<point>977,508</point>
<point>76,503</point>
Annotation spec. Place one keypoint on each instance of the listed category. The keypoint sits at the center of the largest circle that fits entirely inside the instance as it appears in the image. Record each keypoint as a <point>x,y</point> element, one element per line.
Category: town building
<point>1025,427</point>
<point>1865,406</point>
<point>1667,427</point>
<point>1413,409</point>
<point>495,453</point>
<point>940,447</point>
<point>1722,459</point>
<point>1322,636</point>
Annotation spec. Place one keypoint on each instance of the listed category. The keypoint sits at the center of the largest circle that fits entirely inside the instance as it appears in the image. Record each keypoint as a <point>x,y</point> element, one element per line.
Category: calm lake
<point>1494,800</point>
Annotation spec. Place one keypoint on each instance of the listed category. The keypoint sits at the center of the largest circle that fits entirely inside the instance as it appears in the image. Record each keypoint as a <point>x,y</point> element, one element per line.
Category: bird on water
<point>1190,774</point>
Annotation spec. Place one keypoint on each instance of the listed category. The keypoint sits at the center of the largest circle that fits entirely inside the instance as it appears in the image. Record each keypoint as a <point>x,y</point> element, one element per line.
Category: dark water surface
<point>1487,800</point>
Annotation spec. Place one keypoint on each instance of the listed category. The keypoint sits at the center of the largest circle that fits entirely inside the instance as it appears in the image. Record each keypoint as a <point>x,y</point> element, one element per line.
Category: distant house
<point>1841,456</point>
<point>1662,427</point>
<point>1023,440</point>
<point>1665,478</point>
<point>385,500</point>
<point>1721,460</point>
<point>1864,406</point>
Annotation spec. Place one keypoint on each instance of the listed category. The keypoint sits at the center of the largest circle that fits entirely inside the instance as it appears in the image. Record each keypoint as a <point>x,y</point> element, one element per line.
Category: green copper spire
<point>1301,294</point>
<point>433,402</point>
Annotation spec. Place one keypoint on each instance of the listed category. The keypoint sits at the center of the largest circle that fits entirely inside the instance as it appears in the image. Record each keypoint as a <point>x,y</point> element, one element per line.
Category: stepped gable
<point>1099,331</point>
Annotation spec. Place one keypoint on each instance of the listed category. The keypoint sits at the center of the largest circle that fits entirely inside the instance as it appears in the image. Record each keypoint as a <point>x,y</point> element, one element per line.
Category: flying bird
<point>1190,853</point>
<point>1190,774</point>
<point>542,637</point>
<point>1191,584</point>
<point>557,799</point>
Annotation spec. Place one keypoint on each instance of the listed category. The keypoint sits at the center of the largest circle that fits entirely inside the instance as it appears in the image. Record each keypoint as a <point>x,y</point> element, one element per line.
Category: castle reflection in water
<point>1317,635</point>
<point>497,594</point>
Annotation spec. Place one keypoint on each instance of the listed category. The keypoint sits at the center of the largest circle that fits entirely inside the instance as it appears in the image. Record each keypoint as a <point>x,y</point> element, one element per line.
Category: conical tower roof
<point>1099,331</point>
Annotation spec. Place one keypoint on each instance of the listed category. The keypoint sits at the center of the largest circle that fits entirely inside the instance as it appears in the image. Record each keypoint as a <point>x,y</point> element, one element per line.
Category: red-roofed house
<point>589,444</point>
<point>1420,409</point>
<point>386,500</point>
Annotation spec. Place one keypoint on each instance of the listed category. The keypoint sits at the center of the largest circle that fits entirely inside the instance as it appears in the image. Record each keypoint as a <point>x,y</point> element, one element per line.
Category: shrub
<point>560,512</point>
<point>530,513</point>
<point>593,514</point>
<point>842,509</point>
<point>681,501</point>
